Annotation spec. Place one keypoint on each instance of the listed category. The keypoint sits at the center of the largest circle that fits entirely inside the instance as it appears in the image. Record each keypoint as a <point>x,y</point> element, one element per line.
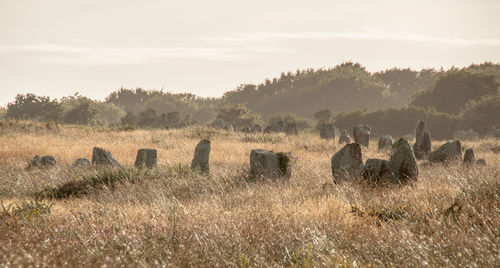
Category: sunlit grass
<point>172,216</point>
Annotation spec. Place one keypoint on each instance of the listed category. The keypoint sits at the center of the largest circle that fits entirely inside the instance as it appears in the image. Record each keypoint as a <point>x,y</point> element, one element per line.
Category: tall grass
<point>172,216</point>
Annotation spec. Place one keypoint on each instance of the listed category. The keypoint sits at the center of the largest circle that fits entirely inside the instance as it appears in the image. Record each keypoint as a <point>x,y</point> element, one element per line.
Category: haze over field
<point>59,47</point>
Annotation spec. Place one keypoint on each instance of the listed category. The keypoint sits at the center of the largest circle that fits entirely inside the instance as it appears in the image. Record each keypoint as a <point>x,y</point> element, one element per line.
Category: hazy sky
<point>59,47</point>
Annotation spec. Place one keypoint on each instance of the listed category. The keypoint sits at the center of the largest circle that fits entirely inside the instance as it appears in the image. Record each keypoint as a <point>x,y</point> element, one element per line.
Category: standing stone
<point>481,162</point>
<point>362,134</point>
<point>466,135</point>
<point>42,162</point>
<point>376,170</point>
<point>269,164</point>
<point>102,157</point>
<point>403,164</point>
<point>344,137</point>
<point>447,152</point>
<point>327,132</point>
<point>146,158</point>
<point>222,124</point>
<point>347,162</point>
<point>201,158</point>
<point>279,126</point>
<point>469,157</point>
<point>385,142</point>
<point>256,128</point>
<point>422,146</point>
<point>291,129</point>
<point>35,162</point>
<point>81,163</point>
<point>48,161</point>
<point>494,133</point>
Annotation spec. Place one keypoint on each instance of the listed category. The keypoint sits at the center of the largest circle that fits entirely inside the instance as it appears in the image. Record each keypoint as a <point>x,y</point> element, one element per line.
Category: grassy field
<point>173,217</point>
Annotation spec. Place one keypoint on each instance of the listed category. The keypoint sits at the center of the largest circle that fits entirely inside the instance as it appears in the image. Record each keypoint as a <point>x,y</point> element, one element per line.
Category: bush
<point>32,107</point>
<point>239,116</point>
<point>399,122</point>
<point>302,123</point>
<point>455,89</point>
<point>481,115</point>
<point>83,114</point>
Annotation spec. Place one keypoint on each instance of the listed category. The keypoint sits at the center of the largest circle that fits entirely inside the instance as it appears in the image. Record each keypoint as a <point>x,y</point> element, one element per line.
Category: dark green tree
<point>34,107</point>
<point>238,115</point>
<point>129,120</point>
<point>149,118</point>
<point>84,114</point>
<point>455,89</point>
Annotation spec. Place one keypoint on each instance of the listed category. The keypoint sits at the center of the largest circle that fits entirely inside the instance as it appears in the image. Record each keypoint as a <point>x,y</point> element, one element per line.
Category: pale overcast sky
<point>59,47</point>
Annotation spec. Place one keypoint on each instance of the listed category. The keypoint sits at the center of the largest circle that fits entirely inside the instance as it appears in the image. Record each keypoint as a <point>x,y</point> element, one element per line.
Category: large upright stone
<point>146,158</point>
<point>422,146</point>
<point>291,129</point>
<point>376,170</point>
<point>101,157</point>
<point>344,137</point>
<point>347,162</point>
<point>362,134</point>
<point>447,152</point>
<point>202,157</point>
<point>469,157</point>
<point>385,142</point>
<point>269,164</point>
<point>327,132</point>
<point>403,164</point>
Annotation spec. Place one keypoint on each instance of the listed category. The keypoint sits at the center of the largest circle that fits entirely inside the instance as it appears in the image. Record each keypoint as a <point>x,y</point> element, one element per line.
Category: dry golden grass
<point>172,217</point>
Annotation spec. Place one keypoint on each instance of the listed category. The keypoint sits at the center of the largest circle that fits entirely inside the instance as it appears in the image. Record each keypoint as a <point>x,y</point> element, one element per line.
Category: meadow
<point>171,216</point>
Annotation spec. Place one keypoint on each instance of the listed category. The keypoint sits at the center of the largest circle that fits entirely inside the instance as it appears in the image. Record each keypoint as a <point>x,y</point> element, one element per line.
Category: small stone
<point>327,132</point>
<point>291,129</point>
<point>376,170</point>
<point>256,128</point>
<point>201,159</point>
<point>146,158</point>
<point>385,142</point>
<point>81,163</point>
<point>469,157</point>
<point>481,162</point>
<point>42,162</point>
<point>362,134</point>
<point>344,137</point>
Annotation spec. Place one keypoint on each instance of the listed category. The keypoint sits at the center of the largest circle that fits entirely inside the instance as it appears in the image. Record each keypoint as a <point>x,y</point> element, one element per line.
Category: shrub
<point>34,107</point>
<point>481,115</point>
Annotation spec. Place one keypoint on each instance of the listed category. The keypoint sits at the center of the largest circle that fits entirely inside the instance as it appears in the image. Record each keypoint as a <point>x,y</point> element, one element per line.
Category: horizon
<point>61,47</point>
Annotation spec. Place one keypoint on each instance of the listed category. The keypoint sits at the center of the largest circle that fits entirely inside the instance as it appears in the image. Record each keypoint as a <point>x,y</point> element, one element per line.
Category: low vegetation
<point>172,216</point>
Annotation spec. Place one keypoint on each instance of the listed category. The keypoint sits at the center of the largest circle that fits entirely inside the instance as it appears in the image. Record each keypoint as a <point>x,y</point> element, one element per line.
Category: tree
<point>148,118</point>
<point>83,114</point>
<point>455,89</point>
<point>34,107</point>
<point>238,115</point>
<point>481,115</point>
<point>129,120</point>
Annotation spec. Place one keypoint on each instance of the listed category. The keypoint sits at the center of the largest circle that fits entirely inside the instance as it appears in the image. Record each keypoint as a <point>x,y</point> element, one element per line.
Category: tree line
<point>347,94</point>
